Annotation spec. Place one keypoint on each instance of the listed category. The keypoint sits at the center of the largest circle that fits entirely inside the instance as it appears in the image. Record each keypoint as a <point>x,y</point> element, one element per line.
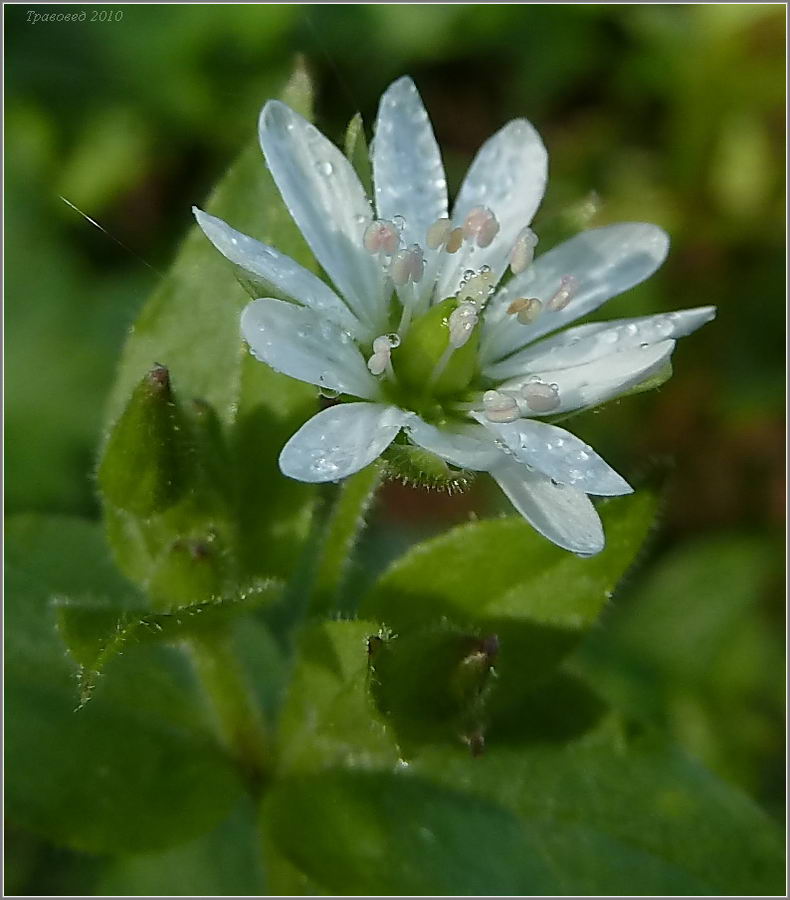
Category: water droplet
<point>393,339</point>
<point>399,222</point>
<point>325,167</point>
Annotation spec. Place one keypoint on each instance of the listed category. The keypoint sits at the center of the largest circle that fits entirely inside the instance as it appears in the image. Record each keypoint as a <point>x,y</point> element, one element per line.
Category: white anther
<point>438,233</point>
<point>455,240</point>
<point>461,324</point>
<point>377,364</point>
<point>381,236</point>
<point>480,226</point>
<point>540,396</point>
<point>525,309</point>
<point>382,349</point>
<point>500,407</point>
<point>523,251</point>
<point>407,265</point>
<point>477,287</point>
<point>563,296</point>
<point>400,268</point>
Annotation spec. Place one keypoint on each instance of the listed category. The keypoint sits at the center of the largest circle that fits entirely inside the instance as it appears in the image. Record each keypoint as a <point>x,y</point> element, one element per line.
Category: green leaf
<point>328,716</point>
<point>191,325</point>
<point>499,580</point>
<point>620,817</point>
<point>96,632</point>
<point>694,651</point>
<point>356,148</point>
<point>225,861</point>
<point>380,833</point>
<point>136,769</point>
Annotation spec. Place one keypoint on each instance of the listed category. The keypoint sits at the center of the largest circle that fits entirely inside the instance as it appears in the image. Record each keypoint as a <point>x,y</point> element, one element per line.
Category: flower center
<point>430,362</point>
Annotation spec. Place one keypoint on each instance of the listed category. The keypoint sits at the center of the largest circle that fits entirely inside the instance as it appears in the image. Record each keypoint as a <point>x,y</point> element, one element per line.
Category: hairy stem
<point>343,527</point>
<point>238,714</point>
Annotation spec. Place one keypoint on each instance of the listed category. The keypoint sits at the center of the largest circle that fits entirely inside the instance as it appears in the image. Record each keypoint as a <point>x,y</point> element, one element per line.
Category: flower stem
<point>239,719</point>
<point>342,529</point>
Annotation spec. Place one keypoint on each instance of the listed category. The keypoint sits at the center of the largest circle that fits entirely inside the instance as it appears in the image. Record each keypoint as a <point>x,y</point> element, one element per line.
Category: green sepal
<point>356,148</point>
<point>418,467</point>
<point>144,467</point>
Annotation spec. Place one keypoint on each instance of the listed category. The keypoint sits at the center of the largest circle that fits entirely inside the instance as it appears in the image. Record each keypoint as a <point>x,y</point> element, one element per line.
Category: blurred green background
<point>668,114</point>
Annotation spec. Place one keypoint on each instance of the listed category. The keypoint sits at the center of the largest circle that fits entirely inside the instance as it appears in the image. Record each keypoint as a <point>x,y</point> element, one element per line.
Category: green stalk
<point>239,719</point>
<point>340,535</point>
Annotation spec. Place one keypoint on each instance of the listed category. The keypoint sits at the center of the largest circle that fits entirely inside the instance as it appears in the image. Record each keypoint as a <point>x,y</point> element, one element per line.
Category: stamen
<point>455,240</point>
<point>523,251</point>
<point>400,268</point>
<point>477,287</point>
<point>500,407</point>
<point>381,236</point>
<point>540,396</point>
<point>407,265</point>
<point>461,324</point>
<point>525,309</point>
<point>380,361</point>
<point>563,296</point>
<point>480,226</point>
<point>438,233</point>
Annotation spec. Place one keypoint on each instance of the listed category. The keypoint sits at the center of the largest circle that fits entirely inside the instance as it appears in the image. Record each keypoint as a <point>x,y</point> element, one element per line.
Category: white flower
<point>416,329</point>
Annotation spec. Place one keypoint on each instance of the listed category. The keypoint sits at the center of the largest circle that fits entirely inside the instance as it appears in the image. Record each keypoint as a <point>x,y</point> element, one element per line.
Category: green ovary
<point>421,351</point>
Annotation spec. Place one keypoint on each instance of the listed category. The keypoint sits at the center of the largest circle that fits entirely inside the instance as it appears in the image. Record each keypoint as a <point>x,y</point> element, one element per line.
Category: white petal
<point>327,202</point>
<point>468,450</point>
<point>562,514</point>
<point>340,440</point>
<point>559,454</point>
<point>273,271</point>
<point>601,380</point>
<point>304,345</point>
<point>508,176</point>
<point>407,167</point>
<point>604,261</point>
<point>586,343</point>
